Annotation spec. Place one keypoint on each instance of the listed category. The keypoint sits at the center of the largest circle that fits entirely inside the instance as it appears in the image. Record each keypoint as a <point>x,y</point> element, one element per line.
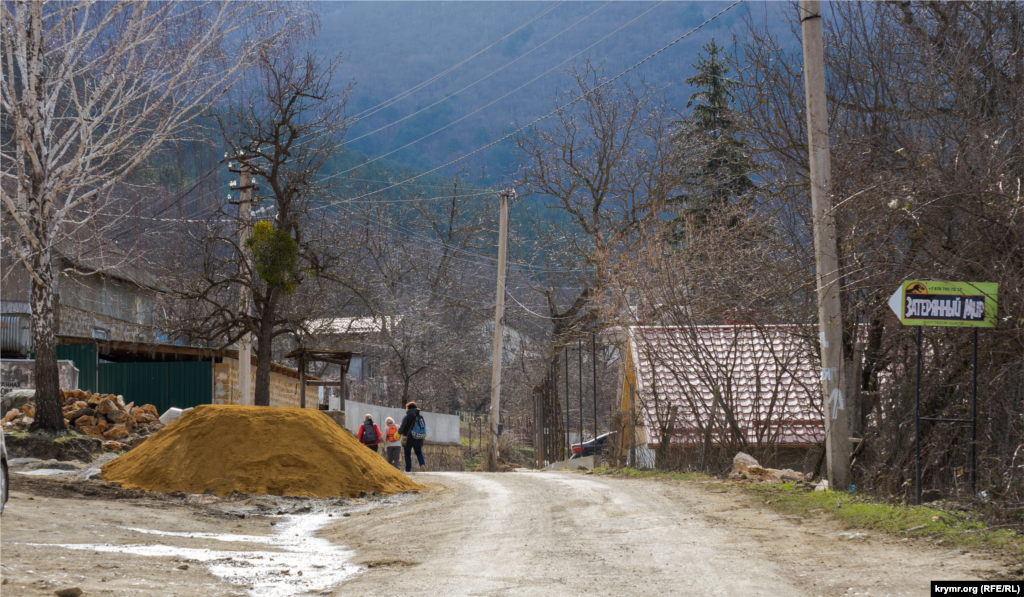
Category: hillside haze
<point>393,47</point>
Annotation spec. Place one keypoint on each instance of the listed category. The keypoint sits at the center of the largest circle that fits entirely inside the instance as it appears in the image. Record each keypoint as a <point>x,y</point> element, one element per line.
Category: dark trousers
<point>394,455</point>
<point>409,447</point>
<point>371,446</point>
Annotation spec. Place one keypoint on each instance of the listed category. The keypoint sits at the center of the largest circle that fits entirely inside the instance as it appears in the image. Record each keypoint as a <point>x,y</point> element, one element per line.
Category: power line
<point>491,103</point>
<point>172,203</point>
<point>556,110</point>
<point>487,76</point>
<point>406,93</point>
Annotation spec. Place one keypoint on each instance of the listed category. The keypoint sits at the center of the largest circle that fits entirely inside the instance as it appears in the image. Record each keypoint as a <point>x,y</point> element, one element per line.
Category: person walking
<point>393,445</point>
<point>413,432</point>
<point>369,433</point>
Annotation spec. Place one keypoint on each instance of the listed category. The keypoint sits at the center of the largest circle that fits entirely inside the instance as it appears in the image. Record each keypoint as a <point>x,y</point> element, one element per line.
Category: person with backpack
<point>413,432</point>
<point>393,445</point>
<point>369,433</point>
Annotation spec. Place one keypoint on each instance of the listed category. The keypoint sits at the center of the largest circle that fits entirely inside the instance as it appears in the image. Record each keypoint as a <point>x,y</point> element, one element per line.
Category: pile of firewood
<point>103,416</point>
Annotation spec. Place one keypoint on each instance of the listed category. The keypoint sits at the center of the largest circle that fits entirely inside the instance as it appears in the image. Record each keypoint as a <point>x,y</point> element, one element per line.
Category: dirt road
<point>572,534</point>
<point>478,534</point>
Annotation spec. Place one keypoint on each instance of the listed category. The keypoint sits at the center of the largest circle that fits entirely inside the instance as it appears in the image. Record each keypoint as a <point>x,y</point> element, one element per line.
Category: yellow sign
<point>957,304</point>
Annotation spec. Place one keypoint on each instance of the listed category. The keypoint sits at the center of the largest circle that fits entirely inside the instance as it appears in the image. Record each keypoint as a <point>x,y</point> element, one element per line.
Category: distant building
<point>108,325</point>
<point>732,388</point>
<point>102,296</point>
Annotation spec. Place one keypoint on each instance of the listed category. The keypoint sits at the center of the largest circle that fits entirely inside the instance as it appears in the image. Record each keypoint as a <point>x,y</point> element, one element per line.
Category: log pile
<point>103,416</point>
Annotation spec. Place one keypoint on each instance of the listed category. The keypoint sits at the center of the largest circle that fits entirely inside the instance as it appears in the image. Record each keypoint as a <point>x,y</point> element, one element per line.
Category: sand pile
<point>256,449</point>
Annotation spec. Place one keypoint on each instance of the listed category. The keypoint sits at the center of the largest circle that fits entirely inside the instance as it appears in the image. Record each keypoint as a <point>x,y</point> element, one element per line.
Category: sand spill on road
<point>305,565</point>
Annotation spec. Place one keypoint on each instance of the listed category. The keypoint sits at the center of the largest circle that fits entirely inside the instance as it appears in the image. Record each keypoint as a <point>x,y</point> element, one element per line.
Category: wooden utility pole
<point>499,317</point>
<point>245,342</point>
<point>830,329</point>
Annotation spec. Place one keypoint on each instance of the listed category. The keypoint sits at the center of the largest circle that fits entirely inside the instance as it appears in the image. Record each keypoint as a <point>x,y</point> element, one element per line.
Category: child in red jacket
<point>369,433</point>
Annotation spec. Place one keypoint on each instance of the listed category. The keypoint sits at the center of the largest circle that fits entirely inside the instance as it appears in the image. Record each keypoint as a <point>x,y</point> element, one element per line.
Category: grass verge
<point>953,529</point>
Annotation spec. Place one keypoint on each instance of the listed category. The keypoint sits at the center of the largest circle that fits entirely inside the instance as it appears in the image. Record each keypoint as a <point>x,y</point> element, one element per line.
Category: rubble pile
<point>223,449</point>
<point>745,466</point>
<point>103,416</point>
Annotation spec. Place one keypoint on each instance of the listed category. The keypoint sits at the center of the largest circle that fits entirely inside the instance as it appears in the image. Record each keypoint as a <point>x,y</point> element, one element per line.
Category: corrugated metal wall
<point>180,384</point>
<point>16,333</point>
<point>85,358</point>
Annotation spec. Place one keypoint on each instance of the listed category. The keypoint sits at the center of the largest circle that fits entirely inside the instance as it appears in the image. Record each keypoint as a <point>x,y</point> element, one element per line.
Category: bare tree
<point>420,271</point>
<point>925,117</point>
<point>604,165</point>
<point>287,131</point>
<point>89,92</point>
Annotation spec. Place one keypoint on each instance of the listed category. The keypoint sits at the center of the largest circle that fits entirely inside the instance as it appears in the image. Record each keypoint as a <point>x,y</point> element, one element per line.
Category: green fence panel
<point>85,359</point>
<point>180,384</point>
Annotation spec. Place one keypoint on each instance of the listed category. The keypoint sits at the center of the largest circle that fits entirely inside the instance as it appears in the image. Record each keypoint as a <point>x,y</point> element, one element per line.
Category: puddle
<point>42,472</point>
<point>306,564</point>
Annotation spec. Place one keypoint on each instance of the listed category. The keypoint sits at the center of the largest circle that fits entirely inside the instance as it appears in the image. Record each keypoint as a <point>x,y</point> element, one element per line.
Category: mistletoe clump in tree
<point>287,131</point>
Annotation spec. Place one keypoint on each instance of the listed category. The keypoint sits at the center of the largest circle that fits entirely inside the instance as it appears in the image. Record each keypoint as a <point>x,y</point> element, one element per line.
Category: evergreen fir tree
<point>714,165</point>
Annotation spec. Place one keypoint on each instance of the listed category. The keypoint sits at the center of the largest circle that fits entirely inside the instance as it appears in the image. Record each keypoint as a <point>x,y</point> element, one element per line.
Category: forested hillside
<point>393,47</point>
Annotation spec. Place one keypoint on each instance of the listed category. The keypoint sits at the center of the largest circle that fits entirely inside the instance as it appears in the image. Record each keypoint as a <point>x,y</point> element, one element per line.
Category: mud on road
<point>483,534</point>
<point>59,534</point>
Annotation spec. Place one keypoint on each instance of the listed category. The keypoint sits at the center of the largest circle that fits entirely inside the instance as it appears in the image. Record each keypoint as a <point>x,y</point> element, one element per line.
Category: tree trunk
<point>665,445</point>
<point>709,430</point>
<point>49,416</point>
<point>406,381</point>
<point>265,352</point>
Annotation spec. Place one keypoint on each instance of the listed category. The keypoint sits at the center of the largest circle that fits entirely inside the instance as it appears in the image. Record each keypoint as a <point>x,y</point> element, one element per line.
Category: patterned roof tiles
<point>766,378</point>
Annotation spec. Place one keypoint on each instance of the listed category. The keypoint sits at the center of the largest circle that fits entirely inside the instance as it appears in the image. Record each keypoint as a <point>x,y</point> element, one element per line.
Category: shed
<point>722,388</point>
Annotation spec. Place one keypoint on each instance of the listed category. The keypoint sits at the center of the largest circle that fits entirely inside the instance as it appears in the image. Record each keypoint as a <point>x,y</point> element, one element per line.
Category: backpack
<point>369,435</point>
<point>419,428</point>
<point>392,433</point>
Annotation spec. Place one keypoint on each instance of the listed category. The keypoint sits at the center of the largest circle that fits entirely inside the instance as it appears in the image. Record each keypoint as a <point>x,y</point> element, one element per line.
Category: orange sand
<point>256,449</point>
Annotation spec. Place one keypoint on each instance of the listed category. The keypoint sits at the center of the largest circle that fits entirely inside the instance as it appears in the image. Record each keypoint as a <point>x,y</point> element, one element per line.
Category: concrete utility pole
<point>830,329</point>
<point>499,317</point>
<point>245,342</point>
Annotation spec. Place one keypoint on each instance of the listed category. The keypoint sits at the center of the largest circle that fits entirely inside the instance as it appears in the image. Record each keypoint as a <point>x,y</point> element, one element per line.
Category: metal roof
<point>94,256</point>
<point>351,325</point>
<point>767,378</point>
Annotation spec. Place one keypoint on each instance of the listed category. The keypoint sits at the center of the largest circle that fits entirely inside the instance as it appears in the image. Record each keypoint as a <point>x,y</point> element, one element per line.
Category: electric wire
<point>387,103</point>
<point>492,102</point>
<point>556,110</point>
<point>487,76</point>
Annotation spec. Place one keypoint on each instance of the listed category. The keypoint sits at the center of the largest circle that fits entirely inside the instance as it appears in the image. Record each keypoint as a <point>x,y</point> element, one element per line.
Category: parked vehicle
<point>4,484</point>
<point>588,448</point>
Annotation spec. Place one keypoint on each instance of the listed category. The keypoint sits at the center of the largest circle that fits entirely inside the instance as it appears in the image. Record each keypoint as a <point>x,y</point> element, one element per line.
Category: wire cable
<point>491,103</point>
<point>387,103</point>
<point>487,76</point>
<point>553,112</point>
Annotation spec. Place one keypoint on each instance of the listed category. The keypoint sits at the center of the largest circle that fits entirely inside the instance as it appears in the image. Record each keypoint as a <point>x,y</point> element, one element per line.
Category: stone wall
<point>19,374</point>
<point>82,324</point>
<point>284,388</point>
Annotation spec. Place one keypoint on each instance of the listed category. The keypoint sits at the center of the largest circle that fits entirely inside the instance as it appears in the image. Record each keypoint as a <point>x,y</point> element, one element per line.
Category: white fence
<point>441,429</point>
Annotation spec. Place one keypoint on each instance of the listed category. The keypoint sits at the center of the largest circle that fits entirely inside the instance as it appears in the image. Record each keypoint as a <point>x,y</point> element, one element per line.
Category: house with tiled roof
<point>705,392</point>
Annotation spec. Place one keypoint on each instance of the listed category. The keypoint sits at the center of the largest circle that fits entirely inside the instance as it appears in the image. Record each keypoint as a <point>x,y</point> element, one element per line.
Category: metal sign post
<point>945,304</point>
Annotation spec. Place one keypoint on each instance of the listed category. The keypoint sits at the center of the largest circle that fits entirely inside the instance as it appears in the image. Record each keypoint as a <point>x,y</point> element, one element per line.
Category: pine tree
<point>714,165</point>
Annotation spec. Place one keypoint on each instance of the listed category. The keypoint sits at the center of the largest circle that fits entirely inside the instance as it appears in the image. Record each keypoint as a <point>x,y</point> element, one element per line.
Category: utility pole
<point>830,329</point>
<point>499,317</point>
<point>593,362</point>
<point>244,189</point>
